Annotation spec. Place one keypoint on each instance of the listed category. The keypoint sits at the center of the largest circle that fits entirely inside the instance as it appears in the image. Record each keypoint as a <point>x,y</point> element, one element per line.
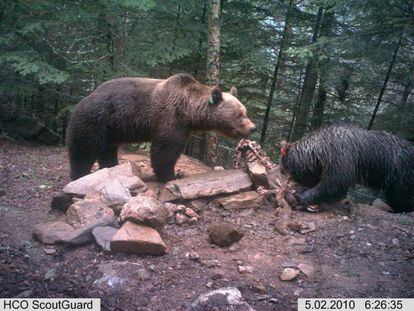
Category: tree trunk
<point>174,41</point>
<point>212,72</point>
<point>195,144</point>
<point>197,68</point>
<point>319,107</point>
<point>280,60</point>
<point>295,107</point>
<point>309,84</point>
<point>408,87</point>
<point>384,86</point>
<point>113,44</point>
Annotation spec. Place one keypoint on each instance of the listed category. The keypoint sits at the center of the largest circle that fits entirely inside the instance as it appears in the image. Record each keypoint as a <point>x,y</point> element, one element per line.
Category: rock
<point>192,220</point>
<point>61,202</point>
<point>308,228</point>
<point>219,168</point>
<point>185,165</point>
<point>62,232</point>
<point>145,210</point>
<point>103,236</point>
<point>114,194</point>
<point>84,212</point>
<point>83,235</point>
<point>289,274</point>
<point>49,251</point>
<point>181,219</point>
<point>173,208</point>
<point>153,189</point>
<point>52,232</point>
<point>95,182</point>
<point>198,204</point>
<point>249,199</point>
<point>245,269</point>
<point>259,288</point>
<point>380,204</point>
<point>121,274</point>
<point>190,213</point>
<point>307,269</point>
<point>206,185</point>
<point>138,239</point>
<point>25,294</point>
<point>226,298</point>
<point>194,256</point>
<point>211,263</point>
<point>50,275</point>
<point>223,234</point>
<point>263,297</point>
<point>167,196</point>
<point>217,276</point>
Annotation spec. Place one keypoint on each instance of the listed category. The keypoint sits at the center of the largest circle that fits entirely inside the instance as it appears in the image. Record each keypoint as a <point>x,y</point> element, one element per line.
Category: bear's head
<point>229,115</point>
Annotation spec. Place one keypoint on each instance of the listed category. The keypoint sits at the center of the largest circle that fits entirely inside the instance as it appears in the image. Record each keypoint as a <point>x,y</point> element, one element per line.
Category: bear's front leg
<point>163,158</point>
<point>331,188</point>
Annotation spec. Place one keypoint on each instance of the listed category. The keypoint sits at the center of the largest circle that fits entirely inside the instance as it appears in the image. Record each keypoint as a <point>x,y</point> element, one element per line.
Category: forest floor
<point>368,253</point>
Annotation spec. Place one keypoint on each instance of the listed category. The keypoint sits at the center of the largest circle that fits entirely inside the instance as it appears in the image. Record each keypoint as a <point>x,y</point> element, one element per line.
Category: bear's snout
<point>246,128</point>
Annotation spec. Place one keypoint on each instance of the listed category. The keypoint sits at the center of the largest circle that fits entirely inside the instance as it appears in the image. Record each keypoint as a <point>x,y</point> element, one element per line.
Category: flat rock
<point>185,165</point>
<point>120,275</point>
<point>153,189</point>
<point>83,235</point>
<point>223,234</point>
<point>61,232</point>
<point>61,202</point>
<point>145,210</point>
<point>125,174</point>
<point>378,203</point>
<point>85,212</point>
<point>138,239</point>
<point>52,232</point>
<point>307,269</point>
<point>198,204</point>
<point>289,274</point>
<point>249,199</point>
<point>206,185</point>
<point>115,194</point>
<point>103,236</point>
<point>226,298</point>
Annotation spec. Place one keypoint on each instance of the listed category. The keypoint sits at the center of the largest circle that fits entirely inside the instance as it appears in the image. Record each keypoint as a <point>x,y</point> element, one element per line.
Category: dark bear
<point>165,112</point>
<point>332,159</point>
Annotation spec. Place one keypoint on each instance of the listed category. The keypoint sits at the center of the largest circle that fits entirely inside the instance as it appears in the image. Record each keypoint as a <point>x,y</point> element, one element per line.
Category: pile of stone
<point>120,212</point>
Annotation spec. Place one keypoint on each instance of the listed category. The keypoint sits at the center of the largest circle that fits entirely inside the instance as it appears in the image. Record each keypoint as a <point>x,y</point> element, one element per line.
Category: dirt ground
<point>366,253</point>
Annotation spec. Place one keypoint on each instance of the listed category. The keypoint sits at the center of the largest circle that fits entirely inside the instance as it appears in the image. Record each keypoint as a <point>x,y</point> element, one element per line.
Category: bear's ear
<point>216,96</point>
<point>233,91</point>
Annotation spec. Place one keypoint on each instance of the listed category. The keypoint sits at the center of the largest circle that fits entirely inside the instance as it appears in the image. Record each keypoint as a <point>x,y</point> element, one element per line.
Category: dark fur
<point>164,112</point>
<point>336,157</point>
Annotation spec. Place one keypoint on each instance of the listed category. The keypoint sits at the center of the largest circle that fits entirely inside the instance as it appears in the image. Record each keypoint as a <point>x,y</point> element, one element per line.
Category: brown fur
<point>164,112</point>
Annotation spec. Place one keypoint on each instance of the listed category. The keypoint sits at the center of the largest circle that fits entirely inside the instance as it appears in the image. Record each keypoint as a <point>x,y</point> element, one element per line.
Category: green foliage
<point>52,53</point>
<point>31,66</point>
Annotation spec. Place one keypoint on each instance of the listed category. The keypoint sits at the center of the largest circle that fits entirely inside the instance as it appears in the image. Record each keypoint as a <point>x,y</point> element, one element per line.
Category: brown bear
<point>336,157</point>
<point>165,112</point>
